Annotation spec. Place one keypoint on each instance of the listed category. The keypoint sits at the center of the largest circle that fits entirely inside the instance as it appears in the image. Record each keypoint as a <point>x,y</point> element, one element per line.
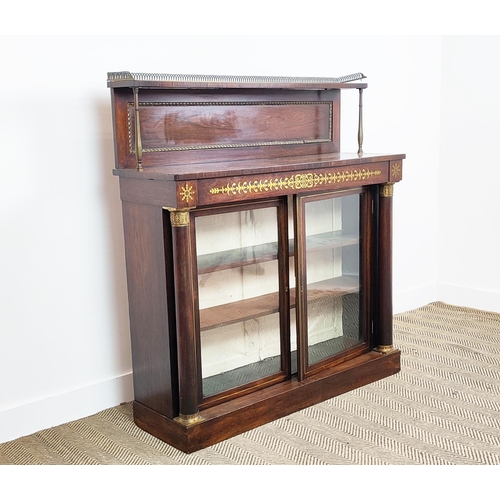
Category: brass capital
<point>178,218</point>
<point>386,190</point>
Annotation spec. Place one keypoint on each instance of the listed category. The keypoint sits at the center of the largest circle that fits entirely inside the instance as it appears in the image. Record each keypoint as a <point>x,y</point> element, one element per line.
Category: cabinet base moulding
<point>248,412</point>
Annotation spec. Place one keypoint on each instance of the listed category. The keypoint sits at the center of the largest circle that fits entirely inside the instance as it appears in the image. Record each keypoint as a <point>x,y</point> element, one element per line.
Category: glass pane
<point>333,284</point>
<point>237,255</point>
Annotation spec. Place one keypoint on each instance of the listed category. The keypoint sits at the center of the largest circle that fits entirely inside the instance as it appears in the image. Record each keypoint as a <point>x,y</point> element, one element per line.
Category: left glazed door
<point>241,298</point>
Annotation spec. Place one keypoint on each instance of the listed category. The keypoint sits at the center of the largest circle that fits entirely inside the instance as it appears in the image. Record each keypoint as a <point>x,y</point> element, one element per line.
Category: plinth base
<point>248,412</point>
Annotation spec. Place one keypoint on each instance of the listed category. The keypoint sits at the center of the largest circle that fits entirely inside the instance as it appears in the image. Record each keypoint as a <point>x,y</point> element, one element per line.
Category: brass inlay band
<point>232,145</point>
<point>179,218</point>
<point>189,420</point>
<point>138,141</point>
<point>385,349</point>
<point>295,182</point>
<point>235,103</point>
<point>387,190</point>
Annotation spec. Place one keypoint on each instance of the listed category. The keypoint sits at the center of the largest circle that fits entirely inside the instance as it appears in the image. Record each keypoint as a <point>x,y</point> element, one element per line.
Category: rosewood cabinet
<point>258,256</point>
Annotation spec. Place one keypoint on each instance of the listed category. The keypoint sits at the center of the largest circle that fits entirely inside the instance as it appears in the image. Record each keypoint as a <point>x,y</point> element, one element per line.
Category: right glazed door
<point>333,241</point>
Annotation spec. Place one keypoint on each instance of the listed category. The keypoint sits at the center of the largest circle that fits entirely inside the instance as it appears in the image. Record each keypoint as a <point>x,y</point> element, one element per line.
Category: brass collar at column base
<point>189,420</point>
<point>385,349</point>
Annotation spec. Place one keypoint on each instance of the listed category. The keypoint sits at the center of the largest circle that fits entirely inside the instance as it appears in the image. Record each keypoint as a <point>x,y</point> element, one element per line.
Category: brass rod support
<point>138,141</point>
<point>360,124</point>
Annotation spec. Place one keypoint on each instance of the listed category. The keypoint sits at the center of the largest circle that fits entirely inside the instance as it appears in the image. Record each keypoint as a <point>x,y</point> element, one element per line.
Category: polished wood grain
<point>180,127</point>
<point>271,165</point>
<point>152,317</point>
<point>222,125</point>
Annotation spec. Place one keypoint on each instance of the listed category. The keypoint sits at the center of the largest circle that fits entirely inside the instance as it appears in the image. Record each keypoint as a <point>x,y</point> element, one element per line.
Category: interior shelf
<point>219,261</point>
<point>246,309</point>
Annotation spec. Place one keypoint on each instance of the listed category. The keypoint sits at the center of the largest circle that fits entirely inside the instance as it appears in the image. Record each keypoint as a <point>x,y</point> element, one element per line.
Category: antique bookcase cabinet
<point>258,256</point>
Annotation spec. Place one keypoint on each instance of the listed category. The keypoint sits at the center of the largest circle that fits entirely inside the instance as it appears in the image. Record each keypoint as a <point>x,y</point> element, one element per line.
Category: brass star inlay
<point>187,193</point>
<point>396,170</point>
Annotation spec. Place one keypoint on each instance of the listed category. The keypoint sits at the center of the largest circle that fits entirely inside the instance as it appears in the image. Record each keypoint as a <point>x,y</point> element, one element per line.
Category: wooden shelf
<point>332,239</point>
<point>219,261</point>
<point>241,310</point>
<point>228,259</point>
<point>263,305</point>
<point>334,287</point>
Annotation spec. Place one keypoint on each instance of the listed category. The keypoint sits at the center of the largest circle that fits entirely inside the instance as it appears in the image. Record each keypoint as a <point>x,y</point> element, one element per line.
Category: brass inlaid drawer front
<point>184,126</point>
<point>264,185</point>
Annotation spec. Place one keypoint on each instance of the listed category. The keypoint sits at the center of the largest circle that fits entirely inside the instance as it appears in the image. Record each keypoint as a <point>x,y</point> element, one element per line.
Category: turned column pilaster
<point>185,318</point>
<point>384,338</point>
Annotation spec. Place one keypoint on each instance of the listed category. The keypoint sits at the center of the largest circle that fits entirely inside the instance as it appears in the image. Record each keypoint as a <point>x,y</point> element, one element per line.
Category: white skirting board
<point>62,408</point>
<point>485,300</point>
<point>413,298</point>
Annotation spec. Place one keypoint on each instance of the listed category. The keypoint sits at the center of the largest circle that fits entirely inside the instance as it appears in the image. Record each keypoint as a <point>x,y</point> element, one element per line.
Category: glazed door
<point>242,300</point>
<point>332,238</point>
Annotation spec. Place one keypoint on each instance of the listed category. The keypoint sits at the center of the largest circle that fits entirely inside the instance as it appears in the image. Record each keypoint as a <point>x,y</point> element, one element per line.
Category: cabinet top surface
<point>249,167</point>
<point>178,81</point>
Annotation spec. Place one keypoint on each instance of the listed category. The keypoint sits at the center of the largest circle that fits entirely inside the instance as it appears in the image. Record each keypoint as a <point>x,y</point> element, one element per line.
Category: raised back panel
<point>193,126</point>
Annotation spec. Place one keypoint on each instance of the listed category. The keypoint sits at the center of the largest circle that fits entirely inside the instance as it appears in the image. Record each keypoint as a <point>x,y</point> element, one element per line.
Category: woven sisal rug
<point>442,409</point>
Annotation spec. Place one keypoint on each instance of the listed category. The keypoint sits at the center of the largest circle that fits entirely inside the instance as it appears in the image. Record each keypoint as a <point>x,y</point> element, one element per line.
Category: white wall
<point>64,345</point>
<point>469,174</point>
